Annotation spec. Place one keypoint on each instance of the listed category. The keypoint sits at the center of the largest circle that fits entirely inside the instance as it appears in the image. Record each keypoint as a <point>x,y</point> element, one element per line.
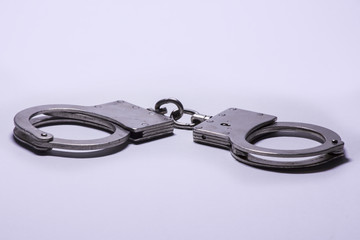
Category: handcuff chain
<point>175,115</point>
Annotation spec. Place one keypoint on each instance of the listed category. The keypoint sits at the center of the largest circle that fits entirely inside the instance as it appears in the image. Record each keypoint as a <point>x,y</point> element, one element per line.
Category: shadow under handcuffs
<point>335,162</point>
<point>85,154</point>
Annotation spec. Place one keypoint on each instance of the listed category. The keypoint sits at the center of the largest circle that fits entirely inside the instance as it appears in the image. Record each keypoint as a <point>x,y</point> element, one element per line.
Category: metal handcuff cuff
<point>234,129</point>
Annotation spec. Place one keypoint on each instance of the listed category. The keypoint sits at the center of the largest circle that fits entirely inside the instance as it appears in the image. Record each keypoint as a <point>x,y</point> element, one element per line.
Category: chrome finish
<point>234,129</point>
<point>199,118</point>
<point>118,135</point>
<point>196,117</point>
<point>124,120</point>
<point>238,130</point>
<point>182,125</point>
<point>176,114</point>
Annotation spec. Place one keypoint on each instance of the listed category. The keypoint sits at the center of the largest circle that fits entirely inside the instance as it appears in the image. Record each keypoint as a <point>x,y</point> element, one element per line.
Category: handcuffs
<point>234,129</point>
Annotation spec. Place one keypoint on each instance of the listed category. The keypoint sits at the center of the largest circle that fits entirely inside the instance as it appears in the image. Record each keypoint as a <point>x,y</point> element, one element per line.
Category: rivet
<point>334,141</point>
<point>44,134</point>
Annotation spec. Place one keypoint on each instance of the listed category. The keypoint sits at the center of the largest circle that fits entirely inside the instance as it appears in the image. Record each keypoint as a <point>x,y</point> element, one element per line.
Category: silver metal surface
<point>183,125</point>
<point>196,117</point>
<point>238,130</point>
<point>118,135</point>
<point>234,129</point>
<point>125,120</point>
<point>176,114</point>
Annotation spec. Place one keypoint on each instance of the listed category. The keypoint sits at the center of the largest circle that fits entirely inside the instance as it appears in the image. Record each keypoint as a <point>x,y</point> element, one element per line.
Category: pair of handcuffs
<point>234,129</point>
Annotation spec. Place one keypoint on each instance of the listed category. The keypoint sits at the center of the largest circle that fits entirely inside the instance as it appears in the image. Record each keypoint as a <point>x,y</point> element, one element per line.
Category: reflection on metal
<point>234,129</point>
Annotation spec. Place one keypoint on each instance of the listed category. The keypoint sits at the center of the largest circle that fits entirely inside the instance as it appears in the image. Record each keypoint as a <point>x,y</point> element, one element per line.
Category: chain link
<point>196,117</point>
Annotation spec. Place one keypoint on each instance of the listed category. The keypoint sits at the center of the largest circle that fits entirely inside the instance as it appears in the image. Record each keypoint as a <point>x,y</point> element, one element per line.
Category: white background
<point>298,60</point>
